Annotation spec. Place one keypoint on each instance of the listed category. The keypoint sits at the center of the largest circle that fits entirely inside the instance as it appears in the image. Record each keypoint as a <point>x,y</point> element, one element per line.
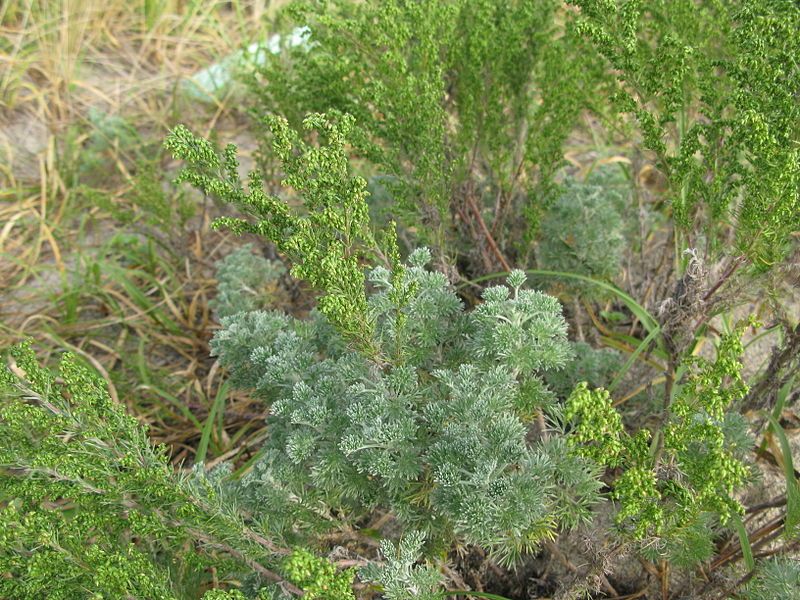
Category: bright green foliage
<point>69,460</point>
<point>583,231</point>
<point>701,464</point>
<point>329,240</point>
<point>224,595</point>
<point>461,106</point>
<point>432,431</point>
<point>598,433</point>
<point>775,578</point>
<point>402,577</point>
<point>245,281</point>
<point>88,508</point>
<point>696,433</point>
<point>318,577</point>
<point>713,86</point>
<point>637,491</point>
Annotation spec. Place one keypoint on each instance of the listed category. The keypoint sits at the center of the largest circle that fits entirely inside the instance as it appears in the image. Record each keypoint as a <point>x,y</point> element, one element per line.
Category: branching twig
<point>256,566</point>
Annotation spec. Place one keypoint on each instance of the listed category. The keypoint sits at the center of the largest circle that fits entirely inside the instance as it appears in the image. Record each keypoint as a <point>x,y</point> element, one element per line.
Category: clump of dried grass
<point>142,321</point>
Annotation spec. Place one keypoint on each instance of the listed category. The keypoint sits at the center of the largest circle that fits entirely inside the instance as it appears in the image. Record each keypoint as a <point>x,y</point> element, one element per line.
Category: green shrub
<point>396,398</point>
<point>671,484</point>
<point>90,509</point>
<point>433,433</point>
<point>583,231</point>
<point>713,87</point>
<point>459,424</point>
<point>427,421</point>
<point>402,577</point>
<point>778,578</point>
<point>328,241</point>
<point>80,483</point>
<point>461,109</point>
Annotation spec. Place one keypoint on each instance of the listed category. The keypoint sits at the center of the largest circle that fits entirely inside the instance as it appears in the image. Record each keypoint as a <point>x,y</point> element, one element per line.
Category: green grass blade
<point>792,487</point>
<point>747,551</point>
<point>627,344</point>
<point>640,312</point>
<point>139,298</point>
<point>217,407</point>
<point>645,343</point>
<point>781,398</point>
<point>179,404</point>
<point>152,10</point>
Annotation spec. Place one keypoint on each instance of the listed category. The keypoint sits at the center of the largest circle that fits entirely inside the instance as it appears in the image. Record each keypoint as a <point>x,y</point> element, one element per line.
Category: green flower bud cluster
<point>700,466</point>
<point>598,432</point>
<point>695,436</point>
<point>318,577</point>
<point>79,482</point>
<point>90,509</point>
<point>468,101</point>
<point>714,91</point>
<point>330,240</point>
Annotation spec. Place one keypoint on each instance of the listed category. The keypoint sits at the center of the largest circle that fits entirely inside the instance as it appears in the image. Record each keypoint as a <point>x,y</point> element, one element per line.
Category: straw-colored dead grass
<point>135,308</point>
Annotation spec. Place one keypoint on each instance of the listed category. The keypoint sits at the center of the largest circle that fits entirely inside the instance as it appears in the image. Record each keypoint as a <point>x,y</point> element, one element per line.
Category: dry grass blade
<point>72,67</point>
